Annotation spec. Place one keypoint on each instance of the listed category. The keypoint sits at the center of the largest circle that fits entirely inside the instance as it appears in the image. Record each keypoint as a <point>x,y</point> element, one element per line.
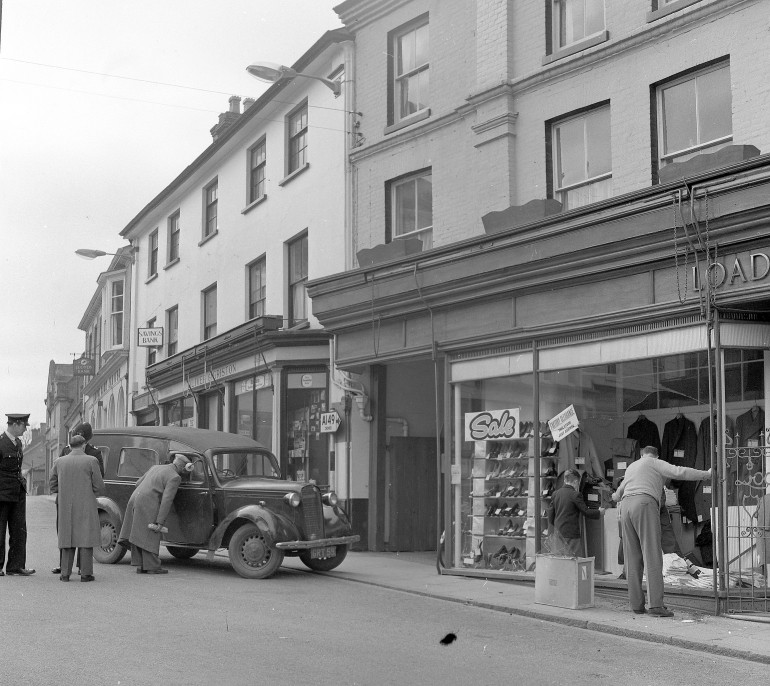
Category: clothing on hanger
<point>703,454</point>
<point>679,447</point>
<point>580,444</point>
<point>644,432</point>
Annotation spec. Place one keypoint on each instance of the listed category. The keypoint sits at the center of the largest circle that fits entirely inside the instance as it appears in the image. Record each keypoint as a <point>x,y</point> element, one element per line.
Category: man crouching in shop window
<point>640,518</point>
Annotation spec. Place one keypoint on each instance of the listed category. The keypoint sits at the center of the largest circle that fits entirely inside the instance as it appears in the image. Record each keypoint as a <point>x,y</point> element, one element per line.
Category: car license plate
<point>321,553</point>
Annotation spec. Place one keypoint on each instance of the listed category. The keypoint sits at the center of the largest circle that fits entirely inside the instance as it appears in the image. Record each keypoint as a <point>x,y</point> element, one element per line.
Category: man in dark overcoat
<point>86,432</point>
<point>13,498</point>
<point>146,511</point>
<point>76,479</point>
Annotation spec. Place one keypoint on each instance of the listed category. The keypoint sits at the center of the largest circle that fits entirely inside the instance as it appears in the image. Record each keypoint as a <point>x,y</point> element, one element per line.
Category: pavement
<point>416,573</point>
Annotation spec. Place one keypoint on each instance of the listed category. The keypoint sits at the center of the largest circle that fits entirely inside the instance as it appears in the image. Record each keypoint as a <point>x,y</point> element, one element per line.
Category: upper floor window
<point>152,267</point>
<point>172,324</point>
<point>582,158</point>
<point>210,218</point>
<point>210,312</point>
<point>257,163</point>
<point>575,20</point>
<point>173,237</point>
<point>411,73</point>
<point>152,353</point>
<point>298,139</point>
<point>116,313</point>
<point>257,288</point>
<point>694,115</point>
<point>412,208</point>
<point>298,272</point>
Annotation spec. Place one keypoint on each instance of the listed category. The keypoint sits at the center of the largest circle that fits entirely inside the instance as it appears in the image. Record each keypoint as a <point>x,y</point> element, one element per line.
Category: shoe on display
<point>491,509</point>
<point>660,612</point>
<point>494,473</point>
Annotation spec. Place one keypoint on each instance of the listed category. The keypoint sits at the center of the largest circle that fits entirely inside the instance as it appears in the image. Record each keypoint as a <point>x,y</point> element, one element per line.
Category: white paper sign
<point>456,474</point>
<point>496,425</point>
<point>564,423</point>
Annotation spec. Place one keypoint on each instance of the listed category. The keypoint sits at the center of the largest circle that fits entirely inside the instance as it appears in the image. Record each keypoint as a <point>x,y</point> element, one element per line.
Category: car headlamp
<point>293,499</point>
<point>330,498</point>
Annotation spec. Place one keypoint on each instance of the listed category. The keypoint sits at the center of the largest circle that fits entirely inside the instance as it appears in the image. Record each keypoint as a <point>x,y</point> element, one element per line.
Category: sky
<point>82,153</point>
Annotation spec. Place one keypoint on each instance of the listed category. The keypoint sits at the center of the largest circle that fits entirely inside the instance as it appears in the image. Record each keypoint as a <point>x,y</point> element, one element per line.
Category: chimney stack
<point>248,102</point>
<point>227,119</point>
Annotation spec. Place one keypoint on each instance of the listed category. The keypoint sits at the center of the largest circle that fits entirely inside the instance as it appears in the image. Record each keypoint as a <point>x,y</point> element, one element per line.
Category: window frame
<point>555,28</point>
<point>657,91</point>
<point>208,328</point>
<point>174,234</point>
<point>172,342</point>
<point>152,254</point>
<point>210,209</point>
<point>292,285</point>
<point>116,316</point>
<point>291,137</point>
<point>260,261</point>
<point>391,218</point>
<point>554,151</point>
<point>252,169</point>
<point>394,118</point>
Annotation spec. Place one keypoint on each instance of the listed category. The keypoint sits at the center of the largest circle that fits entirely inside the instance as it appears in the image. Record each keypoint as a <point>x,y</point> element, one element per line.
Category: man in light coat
<point>76,479</point>
<point>146,511</point>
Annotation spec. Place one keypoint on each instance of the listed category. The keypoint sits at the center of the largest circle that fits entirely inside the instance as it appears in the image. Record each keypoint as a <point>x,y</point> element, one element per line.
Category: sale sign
<point>492,425</point>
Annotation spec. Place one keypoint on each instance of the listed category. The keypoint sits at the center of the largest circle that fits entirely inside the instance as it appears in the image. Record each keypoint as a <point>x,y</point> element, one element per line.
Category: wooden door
<point>412,493</point>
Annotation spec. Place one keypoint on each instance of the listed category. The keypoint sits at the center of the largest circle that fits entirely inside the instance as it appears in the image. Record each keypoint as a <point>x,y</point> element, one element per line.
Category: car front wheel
<point>109,552</point>
<point>325,564</point>
<point>250,555</point>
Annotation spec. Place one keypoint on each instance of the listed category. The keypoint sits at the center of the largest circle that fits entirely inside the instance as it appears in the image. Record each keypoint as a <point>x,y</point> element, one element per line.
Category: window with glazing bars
<point>298,272</point>
<point>116,313</point>
<point>411,76</point>
<point>172,319</point>
<point>298,139</point>
<point>209,313</point>
<point>258,162</point>
<point>210,225</point>
<point>173,237</point>
<point>257,289</point>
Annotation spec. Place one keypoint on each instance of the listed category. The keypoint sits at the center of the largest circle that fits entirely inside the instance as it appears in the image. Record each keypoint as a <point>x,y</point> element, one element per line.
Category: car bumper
<point>320,543</point>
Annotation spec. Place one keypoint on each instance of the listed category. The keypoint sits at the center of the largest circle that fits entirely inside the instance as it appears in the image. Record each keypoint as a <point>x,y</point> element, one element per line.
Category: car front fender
<point>273,526</point>
<point>111,508</point>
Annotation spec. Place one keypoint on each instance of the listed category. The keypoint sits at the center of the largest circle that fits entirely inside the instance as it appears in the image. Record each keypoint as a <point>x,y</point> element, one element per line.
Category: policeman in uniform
<point>13,498</point>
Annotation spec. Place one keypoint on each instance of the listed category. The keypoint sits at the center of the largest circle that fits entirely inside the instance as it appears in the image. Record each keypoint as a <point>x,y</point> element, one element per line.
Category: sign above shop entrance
<point>495,425</point>
<point>564,423</point>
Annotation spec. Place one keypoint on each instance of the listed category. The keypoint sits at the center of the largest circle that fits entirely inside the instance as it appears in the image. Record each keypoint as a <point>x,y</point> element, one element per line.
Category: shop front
<point>646,331</point>
<point>258,381</point>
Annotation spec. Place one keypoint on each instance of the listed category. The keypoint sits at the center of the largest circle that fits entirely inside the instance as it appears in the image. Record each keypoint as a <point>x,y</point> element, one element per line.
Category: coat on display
<point>680,446</point>
<point>644,432</point>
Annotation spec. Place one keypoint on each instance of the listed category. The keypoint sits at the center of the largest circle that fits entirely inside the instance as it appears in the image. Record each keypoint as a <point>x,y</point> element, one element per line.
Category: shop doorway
<point>305,457</point>
<point>210,411</point>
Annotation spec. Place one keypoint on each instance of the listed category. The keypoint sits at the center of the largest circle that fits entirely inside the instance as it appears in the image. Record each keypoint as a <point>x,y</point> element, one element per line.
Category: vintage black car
<point>234,498</point>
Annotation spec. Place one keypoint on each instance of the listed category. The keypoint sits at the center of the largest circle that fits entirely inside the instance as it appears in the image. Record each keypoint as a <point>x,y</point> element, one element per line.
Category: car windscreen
<point>235,464</point>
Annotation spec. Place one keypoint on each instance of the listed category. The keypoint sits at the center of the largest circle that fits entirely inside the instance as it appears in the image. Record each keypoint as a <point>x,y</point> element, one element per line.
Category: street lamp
<point>89,254</point>
<point>270,72</point>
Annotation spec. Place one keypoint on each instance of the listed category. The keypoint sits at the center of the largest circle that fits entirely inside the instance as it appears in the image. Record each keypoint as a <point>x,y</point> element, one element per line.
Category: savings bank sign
<point>495,425</point>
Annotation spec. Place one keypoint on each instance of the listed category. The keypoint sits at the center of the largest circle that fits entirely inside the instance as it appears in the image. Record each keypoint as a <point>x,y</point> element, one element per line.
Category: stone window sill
<point>209,237</point>
<point>152,277</point>
<point>172,263</point>
<point>584,44</point>
<point>293,175</point>
<point>407,121</point>
<point>253,204</point>
<point>670,8</point>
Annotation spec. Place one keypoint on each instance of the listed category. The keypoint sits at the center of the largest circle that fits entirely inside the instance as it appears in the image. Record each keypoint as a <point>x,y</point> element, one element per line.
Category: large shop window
<point>180,412</point>
<point>306,454</point>
<point>253,409</point>
<point>621,408</point>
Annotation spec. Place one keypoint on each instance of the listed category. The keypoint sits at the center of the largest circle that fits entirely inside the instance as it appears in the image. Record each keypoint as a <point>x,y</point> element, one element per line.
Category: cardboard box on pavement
<point>564,581</point>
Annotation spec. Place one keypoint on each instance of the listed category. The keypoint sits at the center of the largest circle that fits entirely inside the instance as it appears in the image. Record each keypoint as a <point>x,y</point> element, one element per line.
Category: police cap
<point>18,418</point>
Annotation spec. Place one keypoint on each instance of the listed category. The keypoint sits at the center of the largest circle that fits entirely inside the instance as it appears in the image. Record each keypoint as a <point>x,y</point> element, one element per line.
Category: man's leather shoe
<point>56,570</point>
<point>156,571</point>
<point>87,577</point>
<point>19,572</point>
<point>640,612</point>
<point>2,573</point>
<point>64,578</point>
<point>660,612</point>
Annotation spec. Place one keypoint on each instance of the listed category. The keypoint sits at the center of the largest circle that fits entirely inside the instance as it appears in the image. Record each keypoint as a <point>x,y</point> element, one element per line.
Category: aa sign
<point>494,425</point>
<point>564,423</point>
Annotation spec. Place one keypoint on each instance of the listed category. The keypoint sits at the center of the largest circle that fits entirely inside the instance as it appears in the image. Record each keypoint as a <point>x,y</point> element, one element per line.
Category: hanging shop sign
<point>150,337</point>
<point>497,425</point>
<point>330,422</point>
<point>84,366</point>
<point>564,423</point>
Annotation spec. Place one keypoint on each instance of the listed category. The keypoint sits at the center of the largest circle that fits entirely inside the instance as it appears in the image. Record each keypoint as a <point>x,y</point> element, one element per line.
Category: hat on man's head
<point>83,430</point>
<point>18,419</point>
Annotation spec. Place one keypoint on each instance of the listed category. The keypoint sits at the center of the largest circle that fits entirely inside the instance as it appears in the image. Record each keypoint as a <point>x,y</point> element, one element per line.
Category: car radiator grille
<point>313,513</point>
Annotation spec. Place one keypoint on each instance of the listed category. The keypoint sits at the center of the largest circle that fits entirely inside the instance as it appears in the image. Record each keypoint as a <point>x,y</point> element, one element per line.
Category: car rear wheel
<point>182,553</point>
<point>325,564</point>
<point>250,555</point>
<point>109,552</point>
